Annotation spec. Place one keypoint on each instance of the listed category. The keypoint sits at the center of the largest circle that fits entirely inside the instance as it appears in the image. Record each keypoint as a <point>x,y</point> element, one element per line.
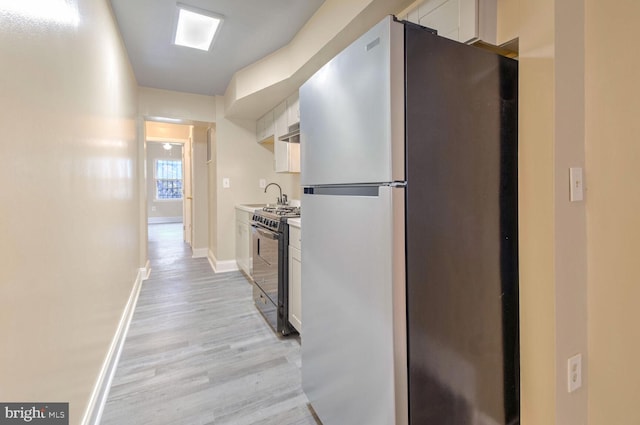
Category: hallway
<point>198,352</point>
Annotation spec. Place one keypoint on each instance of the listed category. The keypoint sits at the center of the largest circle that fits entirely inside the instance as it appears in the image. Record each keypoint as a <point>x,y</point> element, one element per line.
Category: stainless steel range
<point>270,234</point>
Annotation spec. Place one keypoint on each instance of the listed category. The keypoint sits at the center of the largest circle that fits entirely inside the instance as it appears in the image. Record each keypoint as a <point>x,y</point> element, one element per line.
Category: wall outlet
<point>226,183</point>
<point>262,183</point>
<point>574,373</point>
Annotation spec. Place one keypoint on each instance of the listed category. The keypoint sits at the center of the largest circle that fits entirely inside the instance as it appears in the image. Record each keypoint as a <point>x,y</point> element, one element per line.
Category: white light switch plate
<point>262,183</point>
<point>576,191</point>
<point>226,183</point>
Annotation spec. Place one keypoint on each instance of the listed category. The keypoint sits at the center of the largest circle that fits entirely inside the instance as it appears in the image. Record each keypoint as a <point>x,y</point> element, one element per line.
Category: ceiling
<point>251,30</point>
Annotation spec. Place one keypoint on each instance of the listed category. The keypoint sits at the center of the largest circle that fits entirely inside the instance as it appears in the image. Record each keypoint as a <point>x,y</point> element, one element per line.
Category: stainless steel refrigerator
<point>409,236</point>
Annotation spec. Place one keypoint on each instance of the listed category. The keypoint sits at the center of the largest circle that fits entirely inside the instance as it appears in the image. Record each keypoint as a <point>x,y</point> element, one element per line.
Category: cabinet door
<point>294,157</point>
<point>295,288</point>
<point>259,129</point>
<point>243,246</point>
<point>246,249</point>
<point>293,109</point>
<point>281,149</point>
<point>268,125</point>
<point>239,243</point>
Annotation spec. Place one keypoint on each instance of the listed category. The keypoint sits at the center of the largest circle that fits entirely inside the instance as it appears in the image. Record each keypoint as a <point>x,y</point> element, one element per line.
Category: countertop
<point>250,207</point>
<point>295,222</point>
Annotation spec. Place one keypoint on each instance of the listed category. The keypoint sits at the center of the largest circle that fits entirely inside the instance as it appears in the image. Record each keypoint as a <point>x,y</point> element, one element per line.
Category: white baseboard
<point>93,413</point>
<point>200,252</point>
<point>144,272</point>
<point>221,266</point>
<point>161,220</point>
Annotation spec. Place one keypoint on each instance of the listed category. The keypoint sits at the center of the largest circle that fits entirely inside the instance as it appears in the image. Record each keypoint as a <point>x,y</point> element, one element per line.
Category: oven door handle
<point>267,234</point>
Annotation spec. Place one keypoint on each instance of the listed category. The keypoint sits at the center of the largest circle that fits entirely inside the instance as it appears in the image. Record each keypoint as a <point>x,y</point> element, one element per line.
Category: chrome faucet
<point>282,200</point>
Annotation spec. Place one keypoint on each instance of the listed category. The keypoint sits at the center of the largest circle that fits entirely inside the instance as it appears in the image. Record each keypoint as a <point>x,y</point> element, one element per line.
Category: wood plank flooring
<point>198,352</point>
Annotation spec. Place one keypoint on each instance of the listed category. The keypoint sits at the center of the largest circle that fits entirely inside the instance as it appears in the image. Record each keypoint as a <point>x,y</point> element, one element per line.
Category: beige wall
<point>69,221</point>
<point>244,162</point>
<point>176,105</point>
<point>588,303</point>
<point>161,131</point>
<point>613,211</point>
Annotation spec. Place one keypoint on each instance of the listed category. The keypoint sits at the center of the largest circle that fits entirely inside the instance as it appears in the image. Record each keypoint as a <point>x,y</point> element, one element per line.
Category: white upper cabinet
<point>265,127</point>
<point>287,155</point>
<point>293,108</point>
<point>461,20</point>
<point>275,124</point>
<point>280,148</point>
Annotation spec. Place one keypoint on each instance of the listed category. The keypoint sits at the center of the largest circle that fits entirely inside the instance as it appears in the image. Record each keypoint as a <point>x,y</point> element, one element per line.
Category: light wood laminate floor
<point>198,352</point>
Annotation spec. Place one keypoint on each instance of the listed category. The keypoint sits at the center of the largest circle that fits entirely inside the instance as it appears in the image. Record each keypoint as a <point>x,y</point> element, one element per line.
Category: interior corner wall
<point>244,162</point>
<point>70,217</point>
<point>570,217</point>
<point>213,192</point>
<point>613,210</point>
<point>200,183</point>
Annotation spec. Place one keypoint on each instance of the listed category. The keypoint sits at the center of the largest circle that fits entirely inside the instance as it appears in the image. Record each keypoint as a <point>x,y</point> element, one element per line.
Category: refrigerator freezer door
<point>352,113</point>
<point>353,298</point>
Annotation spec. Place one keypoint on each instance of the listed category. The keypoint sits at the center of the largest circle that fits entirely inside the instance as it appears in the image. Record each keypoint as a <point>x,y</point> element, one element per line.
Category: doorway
<point>165,182</point>
<point>168,185</point>
<point>176,175</point>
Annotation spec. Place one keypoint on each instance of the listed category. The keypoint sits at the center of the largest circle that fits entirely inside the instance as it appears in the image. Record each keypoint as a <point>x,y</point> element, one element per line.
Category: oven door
<point>265,272</point>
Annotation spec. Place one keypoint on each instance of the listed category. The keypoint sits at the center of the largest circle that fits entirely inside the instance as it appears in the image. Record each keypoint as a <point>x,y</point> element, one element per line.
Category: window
<point>168,179</point>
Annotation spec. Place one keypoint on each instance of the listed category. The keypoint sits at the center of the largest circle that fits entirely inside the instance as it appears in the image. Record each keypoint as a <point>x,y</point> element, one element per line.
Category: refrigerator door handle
<point>367,190</point>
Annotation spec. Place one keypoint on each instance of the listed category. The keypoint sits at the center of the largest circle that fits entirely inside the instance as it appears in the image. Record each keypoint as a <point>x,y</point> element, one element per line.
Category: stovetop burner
<point>274,217</point>
<point>283,210</point>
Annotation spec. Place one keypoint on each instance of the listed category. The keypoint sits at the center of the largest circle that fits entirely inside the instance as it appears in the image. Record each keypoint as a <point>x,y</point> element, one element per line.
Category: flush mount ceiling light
<point>196,28</point>
<point>167,146</point>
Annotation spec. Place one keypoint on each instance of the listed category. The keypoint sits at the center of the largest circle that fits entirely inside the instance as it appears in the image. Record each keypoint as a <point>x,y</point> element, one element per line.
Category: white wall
<point>69,211</point>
